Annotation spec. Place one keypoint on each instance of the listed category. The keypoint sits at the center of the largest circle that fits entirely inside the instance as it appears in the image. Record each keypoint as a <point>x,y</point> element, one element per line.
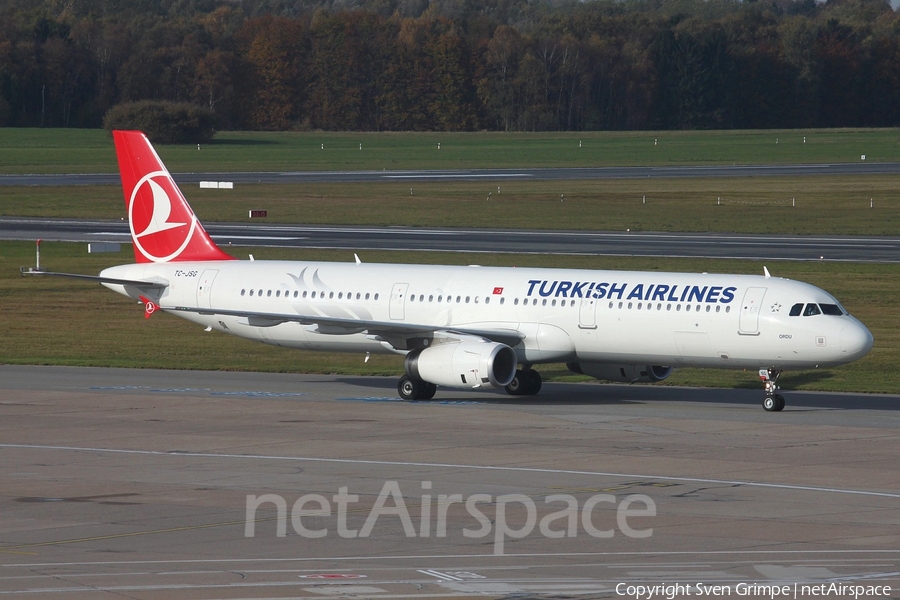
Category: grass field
<point>55,321</point>
<point>824,205</point>
<point>91,151</point>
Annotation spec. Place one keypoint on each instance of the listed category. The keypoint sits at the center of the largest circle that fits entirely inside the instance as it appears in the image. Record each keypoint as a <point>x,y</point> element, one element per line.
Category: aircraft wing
<point>151,284</point>
<point>397,335</point>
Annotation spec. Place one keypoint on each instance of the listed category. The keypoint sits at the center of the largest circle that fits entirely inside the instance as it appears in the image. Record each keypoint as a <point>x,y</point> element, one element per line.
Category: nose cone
<point>856,341</point>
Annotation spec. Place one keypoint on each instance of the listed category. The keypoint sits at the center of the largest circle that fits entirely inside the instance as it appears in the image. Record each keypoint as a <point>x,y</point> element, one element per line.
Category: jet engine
<point>464,364</point>
<point>624,373</point>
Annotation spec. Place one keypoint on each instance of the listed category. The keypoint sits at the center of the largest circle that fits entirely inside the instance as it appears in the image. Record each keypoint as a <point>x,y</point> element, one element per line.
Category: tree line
<point>451,65</point>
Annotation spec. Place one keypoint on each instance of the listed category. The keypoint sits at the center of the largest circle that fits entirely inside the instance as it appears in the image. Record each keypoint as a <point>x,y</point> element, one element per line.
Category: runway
<point>651,172</point>
<point>591,243</point>
<point>166,484</point>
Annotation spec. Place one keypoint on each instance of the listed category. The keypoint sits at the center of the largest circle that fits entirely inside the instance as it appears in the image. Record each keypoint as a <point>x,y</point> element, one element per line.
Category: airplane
<point>472,327</point>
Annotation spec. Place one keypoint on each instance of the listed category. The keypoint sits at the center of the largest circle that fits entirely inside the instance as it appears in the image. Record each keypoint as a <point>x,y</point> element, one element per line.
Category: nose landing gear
<point>772,402</point>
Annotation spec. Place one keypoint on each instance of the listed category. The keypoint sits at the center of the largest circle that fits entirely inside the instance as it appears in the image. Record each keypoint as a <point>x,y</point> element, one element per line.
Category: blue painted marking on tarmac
<point>372,399</point>
<point>120,387</point>
<point>251,394</point>
<point>245,394</point>
<point>410,402</point>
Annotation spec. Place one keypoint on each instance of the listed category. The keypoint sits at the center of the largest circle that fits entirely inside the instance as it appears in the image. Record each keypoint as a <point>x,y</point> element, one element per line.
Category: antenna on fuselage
<point>766,272</point>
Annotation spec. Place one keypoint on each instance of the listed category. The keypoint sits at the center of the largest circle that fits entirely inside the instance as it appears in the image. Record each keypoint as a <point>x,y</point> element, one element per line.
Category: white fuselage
<point>564,315</point>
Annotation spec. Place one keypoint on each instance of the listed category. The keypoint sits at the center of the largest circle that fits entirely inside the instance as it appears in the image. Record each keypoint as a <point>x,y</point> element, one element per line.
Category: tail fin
<point>163,226</point>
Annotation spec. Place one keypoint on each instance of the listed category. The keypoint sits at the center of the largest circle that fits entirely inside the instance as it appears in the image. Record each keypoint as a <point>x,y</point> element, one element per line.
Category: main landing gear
<point>772,402</point>
<point>527,382</point>
<point>415,389</point>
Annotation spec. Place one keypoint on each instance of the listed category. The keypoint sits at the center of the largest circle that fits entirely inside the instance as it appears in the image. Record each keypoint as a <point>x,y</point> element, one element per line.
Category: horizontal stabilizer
<point>158,284</point>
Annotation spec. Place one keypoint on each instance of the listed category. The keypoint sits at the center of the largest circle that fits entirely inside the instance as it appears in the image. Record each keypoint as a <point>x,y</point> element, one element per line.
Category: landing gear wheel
<point>779,403</point>
<point>415,389</point>
<point>774,403</point>
<point>517,386</point>
<point>527,382</point>
<point>534,381</point>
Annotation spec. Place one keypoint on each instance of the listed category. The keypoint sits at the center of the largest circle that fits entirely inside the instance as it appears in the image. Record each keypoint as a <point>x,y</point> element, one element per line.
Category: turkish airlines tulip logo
<point>161,222</point>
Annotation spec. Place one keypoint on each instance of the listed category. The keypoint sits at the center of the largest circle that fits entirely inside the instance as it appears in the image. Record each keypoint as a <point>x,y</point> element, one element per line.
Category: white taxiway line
<point>759,484</point>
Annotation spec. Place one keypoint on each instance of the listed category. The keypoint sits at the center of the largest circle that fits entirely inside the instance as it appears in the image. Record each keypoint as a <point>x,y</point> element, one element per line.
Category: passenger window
<point>269,294</point>
<point>811,310</point>
<point>376,297</point>
<point>796,310</point>
<point>831,309</point>
<point>251,293</point>
<point>502,300</point>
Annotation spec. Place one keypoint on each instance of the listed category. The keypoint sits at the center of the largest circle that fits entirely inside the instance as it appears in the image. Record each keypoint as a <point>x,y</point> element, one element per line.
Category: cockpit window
<point>796,310</point>
<point>831,309</point>
<point>811,309</point>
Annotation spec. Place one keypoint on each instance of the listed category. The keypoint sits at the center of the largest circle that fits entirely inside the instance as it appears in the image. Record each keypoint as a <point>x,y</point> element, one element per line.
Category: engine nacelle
<point>624,373</point>
<point>464,365</point>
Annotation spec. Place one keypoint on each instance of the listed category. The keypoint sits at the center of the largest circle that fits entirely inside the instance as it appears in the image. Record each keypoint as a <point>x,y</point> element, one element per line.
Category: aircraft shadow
<point>598,394</point>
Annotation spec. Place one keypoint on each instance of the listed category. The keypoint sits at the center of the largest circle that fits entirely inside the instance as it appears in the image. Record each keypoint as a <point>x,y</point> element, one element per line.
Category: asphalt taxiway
<point>621,172</point>
<point>166,484</point>
<point>507,241</point>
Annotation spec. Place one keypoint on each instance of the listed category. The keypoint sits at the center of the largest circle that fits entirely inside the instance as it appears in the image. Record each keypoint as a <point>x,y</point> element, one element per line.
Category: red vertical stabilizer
<point>163,226</point>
